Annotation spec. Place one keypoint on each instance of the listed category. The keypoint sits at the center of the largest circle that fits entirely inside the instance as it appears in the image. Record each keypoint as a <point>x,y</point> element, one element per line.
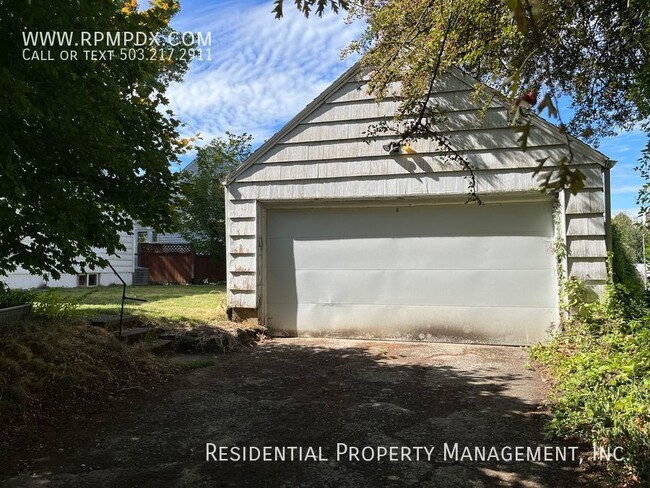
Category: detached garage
<point>331,236</point>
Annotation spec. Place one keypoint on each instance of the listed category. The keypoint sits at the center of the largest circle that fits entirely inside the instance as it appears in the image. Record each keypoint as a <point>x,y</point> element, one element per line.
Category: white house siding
<point>123,263</point>
<point>175,238</point>
<point>322,156</point>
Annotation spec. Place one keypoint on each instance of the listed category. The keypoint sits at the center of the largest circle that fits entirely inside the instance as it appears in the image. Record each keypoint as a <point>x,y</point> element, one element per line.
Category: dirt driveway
<point>330,394</point>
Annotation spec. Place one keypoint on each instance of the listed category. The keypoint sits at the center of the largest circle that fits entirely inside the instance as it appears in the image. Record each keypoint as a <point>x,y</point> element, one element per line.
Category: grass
<point>195,364</point>
<point>195,304</point>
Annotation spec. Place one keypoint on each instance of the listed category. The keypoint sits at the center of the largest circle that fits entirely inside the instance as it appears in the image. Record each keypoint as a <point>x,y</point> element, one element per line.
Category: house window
<point>90,279</point>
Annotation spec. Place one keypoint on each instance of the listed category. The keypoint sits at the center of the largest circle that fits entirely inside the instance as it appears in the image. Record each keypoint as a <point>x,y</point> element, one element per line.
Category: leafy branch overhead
<point>307,6</point>
<point>595,52</point>
<point>86,145</point>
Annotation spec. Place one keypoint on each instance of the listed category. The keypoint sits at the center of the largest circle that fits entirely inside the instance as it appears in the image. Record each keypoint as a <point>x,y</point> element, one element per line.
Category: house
<point>329,235</point>
<point>124,263</point>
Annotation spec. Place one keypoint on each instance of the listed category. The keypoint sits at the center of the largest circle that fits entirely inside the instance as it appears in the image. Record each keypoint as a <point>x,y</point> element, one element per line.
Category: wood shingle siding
<point>586,225</point>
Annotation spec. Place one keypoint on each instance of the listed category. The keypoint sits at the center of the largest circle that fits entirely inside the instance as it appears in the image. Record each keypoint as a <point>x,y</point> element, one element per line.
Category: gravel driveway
<point>364,413</point>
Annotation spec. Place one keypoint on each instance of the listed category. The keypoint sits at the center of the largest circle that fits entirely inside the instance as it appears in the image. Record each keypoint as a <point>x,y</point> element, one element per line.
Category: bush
<point>601,363</point>
<point>52,305</point>
<point>12,298</point>
<point>625,257</point>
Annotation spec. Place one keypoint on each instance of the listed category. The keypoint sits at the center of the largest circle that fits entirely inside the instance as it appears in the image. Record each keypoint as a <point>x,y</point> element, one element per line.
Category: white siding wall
<point>123,264</point>
<point>324,157</point>
<point>175,238</point>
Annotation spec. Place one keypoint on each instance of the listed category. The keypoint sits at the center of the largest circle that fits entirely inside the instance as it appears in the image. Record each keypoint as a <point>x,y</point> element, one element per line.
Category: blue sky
<point>264,71</point>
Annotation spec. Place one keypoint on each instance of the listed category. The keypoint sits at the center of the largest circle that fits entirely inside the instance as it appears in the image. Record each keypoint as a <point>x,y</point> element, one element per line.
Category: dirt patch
<point>309,392</point>
<point>49,368</point>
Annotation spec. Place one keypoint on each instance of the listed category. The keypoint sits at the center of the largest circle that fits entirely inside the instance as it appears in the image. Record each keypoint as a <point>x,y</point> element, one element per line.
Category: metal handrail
<point>124,298</point>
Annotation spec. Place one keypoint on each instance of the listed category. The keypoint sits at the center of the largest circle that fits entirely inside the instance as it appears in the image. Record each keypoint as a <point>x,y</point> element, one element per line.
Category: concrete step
<point>134,335</point>
<point>111,321</point>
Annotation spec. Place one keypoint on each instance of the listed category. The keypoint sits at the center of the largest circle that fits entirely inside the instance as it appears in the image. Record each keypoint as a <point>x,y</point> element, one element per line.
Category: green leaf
<point>277,9</point>
<point>547,103</point>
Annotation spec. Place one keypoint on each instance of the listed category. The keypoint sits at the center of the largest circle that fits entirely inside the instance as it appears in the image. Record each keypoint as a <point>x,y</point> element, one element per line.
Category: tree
<point>593,51</point>
<point>86,143</point>
<point>202,218</point>
<point>306,6</point>
<point>630,236</point>
<point>627,250</point>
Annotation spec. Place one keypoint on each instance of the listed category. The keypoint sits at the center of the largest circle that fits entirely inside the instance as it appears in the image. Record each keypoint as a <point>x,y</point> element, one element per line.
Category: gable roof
<point>312,106</point>
<point>539,121</point>
<point>536,120</point>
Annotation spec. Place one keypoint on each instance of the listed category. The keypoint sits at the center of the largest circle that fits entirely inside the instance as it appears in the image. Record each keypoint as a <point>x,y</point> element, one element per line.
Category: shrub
<point>625,256</point>
<point>601,363</point>
<point>52,305</point>
<point>12,298</point>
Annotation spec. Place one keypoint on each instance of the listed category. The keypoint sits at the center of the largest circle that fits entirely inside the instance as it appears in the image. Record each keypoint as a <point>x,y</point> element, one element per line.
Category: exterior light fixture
<point>392,147</point>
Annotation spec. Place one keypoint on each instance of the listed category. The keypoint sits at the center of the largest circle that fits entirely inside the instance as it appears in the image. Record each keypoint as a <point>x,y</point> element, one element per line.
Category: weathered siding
<point>586,247</point>
<point>323,154</point>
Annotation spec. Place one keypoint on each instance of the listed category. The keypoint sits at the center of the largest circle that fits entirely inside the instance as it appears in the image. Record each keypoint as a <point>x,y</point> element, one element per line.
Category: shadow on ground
<point>300,392</point>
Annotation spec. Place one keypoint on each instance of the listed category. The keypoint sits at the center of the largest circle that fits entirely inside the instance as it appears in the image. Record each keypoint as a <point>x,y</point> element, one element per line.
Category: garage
<point>458,273</point>
<point>333,233</point>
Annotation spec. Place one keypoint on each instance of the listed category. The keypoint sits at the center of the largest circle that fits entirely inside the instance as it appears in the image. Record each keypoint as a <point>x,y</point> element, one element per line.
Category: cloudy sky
<point>264,71</point>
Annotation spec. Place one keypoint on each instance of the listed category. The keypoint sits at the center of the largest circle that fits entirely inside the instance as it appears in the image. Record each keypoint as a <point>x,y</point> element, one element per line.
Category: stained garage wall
<point>322,155</point>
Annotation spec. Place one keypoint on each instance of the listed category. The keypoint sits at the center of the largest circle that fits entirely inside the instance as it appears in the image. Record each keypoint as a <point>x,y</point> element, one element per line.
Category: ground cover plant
<point>600,363</point>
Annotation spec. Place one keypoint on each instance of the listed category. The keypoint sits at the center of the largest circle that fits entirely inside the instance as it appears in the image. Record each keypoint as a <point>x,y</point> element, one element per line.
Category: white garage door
<point>464,273</point>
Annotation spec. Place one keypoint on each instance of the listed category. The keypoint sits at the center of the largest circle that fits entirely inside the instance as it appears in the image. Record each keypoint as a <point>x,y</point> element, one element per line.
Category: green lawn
<point>204,304</point>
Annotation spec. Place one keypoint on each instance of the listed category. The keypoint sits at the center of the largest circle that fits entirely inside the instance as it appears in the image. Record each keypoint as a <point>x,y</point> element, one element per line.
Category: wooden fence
<point>178,263</point>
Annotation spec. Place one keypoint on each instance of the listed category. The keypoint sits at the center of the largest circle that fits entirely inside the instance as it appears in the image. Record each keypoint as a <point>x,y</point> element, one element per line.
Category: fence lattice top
<point>162,248</point>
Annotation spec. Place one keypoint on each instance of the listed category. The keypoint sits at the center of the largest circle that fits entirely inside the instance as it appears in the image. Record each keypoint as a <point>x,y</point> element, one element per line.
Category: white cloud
<point>634,189</point>
<point>263,71</point>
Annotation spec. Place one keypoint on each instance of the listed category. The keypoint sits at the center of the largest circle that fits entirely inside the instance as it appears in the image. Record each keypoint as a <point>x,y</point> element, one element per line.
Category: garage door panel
<point>416,221</point>
<point>415,287</point>
<point>526,252</point>
<point>446,272</point>
<point>434,323</point>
